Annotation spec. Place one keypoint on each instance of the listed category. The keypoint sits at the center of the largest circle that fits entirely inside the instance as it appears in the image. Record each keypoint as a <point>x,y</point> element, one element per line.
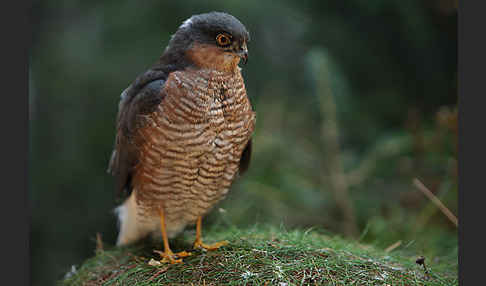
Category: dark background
<point>354,99</point>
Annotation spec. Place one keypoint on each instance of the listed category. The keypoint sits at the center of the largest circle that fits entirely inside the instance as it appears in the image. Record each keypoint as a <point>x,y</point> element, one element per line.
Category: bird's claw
<point>172,258</point>
<point>210,247</point>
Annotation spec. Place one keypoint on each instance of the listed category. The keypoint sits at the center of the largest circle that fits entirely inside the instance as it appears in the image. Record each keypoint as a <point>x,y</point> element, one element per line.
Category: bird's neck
<point>211,57</point>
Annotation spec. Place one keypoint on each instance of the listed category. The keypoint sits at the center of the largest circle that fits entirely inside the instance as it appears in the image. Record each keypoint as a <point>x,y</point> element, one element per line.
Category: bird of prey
<point>183,133</point>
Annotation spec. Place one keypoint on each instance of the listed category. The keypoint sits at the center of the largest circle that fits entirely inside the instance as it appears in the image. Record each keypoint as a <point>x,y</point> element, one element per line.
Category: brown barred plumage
<point>191,145</point>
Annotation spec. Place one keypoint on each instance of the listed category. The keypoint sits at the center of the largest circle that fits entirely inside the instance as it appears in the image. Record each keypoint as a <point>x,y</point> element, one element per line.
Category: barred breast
<point>191,145</point>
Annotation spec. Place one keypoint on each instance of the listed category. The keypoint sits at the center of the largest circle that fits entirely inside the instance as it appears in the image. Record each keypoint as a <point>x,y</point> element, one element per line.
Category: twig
<point>393,246</point>
<point>99,242</point>
<point>334,175</point>
<point>436,201</point>
<point>158,273</point>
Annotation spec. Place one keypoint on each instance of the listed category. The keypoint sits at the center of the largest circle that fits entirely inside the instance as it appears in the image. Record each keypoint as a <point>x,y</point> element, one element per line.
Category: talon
<point>210,247</point>
<point>169,257</point>
<point>183,254</point>
<point>198,243</point>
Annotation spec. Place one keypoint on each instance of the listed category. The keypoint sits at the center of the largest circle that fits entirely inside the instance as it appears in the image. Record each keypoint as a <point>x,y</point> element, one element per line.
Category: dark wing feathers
<point>245,158</point>
<point>140,98</point>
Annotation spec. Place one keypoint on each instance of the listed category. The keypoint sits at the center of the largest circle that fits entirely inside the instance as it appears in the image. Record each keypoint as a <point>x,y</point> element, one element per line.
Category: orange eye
<point>223,39</point>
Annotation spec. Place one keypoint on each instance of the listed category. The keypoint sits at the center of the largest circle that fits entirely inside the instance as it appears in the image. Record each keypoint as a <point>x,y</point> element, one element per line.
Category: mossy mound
<point>263,256</point>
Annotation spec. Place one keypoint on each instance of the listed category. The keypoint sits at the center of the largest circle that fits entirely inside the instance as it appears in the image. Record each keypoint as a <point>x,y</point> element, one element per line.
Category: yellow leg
<point>169,256</point>
<point>198,242</point>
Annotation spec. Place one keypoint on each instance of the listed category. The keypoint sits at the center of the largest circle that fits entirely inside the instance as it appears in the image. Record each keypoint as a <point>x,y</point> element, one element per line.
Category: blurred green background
<point>354,99</point>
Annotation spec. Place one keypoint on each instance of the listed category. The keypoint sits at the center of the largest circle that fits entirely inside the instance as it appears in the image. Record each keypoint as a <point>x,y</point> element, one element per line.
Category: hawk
<point>183,133</point>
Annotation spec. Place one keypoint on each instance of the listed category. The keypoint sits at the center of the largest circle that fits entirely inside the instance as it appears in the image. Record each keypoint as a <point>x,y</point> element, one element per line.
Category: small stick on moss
<point>99,242</point>
<point>393,246</point>
<point>158,273</point>
<point>436,201</point>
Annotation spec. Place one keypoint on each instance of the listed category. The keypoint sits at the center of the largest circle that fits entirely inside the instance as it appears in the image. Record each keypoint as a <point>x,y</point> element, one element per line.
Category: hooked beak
<point>243,53</point>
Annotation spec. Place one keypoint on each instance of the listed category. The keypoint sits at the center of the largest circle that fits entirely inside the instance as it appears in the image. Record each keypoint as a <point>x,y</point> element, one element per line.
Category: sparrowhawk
<point>184,132</point>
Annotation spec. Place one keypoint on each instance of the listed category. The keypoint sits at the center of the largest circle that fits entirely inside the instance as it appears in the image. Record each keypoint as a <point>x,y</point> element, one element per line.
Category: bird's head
<point>213,40</point>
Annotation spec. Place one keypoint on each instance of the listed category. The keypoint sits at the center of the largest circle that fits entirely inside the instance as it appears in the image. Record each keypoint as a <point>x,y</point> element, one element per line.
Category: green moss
<point>263,255</point>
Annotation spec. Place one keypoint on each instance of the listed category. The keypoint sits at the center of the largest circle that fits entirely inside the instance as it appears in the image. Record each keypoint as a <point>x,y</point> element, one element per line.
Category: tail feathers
<point>121,213</point>
<point>129,231</point>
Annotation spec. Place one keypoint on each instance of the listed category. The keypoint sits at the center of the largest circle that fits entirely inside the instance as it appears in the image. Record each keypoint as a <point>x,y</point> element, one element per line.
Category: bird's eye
<point>223,39</point>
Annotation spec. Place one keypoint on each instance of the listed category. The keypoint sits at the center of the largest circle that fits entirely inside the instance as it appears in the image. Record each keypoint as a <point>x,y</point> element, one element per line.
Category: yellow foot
<point>171,257</point>
<point>214,246</point>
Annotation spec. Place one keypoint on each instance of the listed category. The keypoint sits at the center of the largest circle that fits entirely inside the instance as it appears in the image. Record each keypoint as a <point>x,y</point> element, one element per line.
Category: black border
<point>472,78</point>
<point>16,40</point>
